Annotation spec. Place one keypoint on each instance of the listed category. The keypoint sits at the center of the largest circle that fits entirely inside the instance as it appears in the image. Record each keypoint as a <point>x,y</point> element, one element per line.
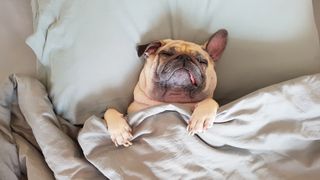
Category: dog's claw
<point>127,144</point>
<point>191,133</point>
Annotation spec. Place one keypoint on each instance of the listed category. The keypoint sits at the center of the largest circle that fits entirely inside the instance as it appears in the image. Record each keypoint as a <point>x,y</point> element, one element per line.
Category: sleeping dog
<point>177,72</point>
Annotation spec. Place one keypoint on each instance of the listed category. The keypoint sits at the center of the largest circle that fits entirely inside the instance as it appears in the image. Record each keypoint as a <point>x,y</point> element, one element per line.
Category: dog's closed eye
<point>201,60</point>
<point>166,53</point>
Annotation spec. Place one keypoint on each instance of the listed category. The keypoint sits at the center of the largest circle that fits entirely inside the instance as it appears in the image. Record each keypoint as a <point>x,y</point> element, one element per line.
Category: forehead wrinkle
<point>184,48</point>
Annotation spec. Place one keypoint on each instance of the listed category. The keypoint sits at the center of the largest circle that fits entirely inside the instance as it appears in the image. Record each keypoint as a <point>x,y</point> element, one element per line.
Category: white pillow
<point>88,47</point>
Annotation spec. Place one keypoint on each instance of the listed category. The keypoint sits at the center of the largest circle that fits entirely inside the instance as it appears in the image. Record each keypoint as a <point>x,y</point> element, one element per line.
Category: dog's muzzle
<point>181,71</point>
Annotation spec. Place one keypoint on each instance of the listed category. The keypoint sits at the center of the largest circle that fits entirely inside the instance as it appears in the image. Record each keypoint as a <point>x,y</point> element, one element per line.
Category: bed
<point>82,59</point>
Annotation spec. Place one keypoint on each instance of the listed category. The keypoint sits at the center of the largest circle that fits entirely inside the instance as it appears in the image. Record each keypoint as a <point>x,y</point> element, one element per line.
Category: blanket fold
<point>272,133</point>
<point>62,155</point>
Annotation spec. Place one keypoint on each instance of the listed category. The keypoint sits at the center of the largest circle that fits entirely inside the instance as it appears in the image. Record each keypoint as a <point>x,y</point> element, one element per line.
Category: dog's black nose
<point>184,57</point>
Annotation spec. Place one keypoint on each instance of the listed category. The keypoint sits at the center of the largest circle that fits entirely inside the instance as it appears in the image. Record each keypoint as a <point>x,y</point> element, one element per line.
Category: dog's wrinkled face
<point>179,71</point>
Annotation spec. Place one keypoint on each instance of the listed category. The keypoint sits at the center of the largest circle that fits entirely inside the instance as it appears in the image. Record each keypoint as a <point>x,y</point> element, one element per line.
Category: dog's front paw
<point>202,117</point>
<point>200,123</point>
<point>119,130</point>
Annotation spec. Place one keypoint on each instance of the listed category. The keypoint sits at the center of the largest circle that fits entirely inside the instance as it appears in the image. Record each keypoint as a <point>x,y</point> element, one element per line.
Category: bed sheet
<point>273,133</point>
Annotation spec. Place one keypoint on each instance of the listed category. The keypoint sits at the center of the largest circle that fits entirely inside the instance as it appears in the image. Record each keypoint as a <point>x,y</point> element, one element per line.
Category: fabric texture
<point>272,133</point>
<point>15,27</point>
<point>87,48</point>
<point>34,141</point>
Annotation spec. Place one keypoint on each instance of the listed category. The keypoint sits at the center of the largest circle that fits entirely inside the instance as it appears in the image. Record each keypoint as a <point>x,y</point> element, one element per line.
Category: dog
<point>175,71</point>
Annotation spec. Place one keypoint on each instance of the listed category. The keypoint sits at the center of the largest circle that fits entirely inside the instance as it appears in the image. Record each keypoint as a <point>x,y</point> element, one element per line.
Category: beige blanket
<point>273,133</point>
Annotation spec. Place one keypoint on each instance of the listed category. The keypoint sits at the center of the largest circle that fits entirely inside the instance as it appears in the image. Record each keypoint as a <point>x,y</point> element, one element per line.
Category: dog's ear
<point>216,44</point>
<point>147,49</point>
